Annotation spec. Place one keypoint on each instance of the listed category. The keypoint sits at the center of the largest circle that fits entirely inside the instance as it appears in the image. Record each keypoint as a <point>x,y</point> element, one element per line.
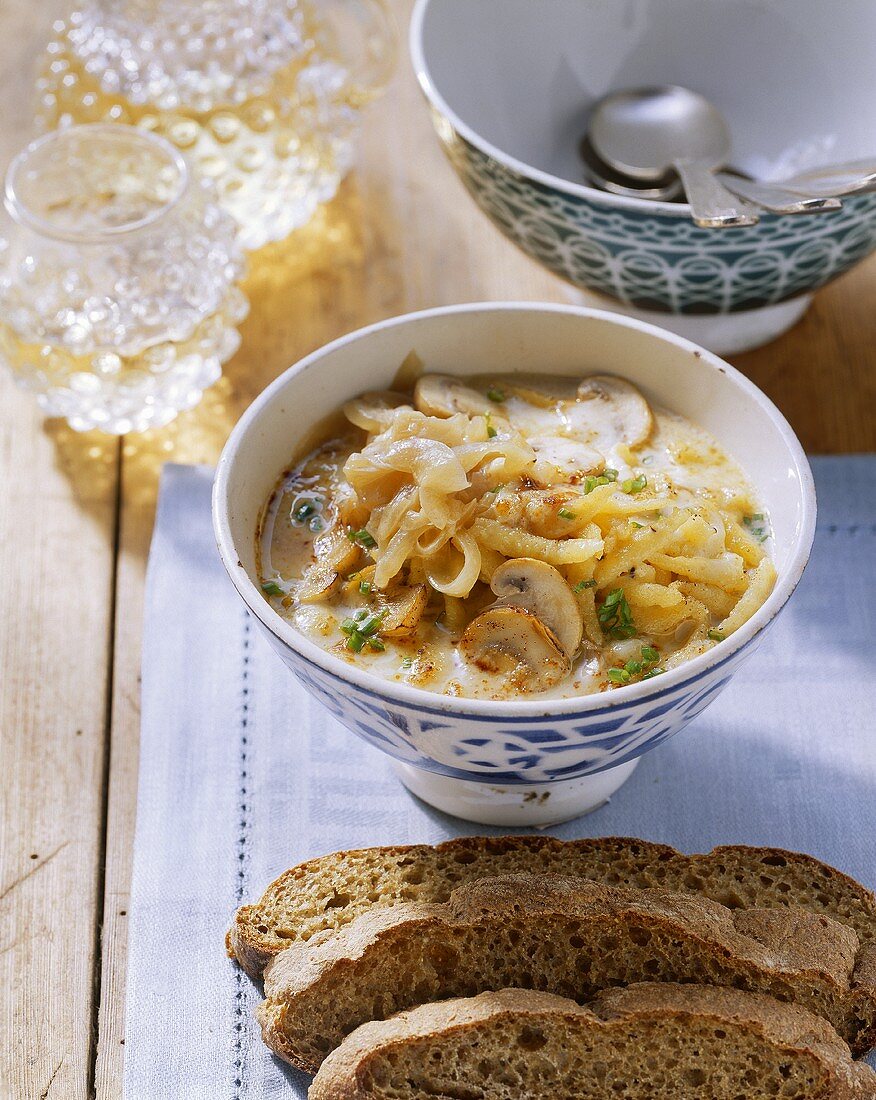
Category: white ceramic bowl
<point>510,83</point>
<point>532,761</point>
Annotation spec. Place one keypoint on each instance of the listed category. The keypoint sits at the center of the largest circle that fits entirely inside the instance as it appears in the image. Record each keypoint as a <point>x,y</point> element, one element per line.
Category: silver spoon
<point>845,178</point>
<point>776,198</point>
<point>644,132</point>
<point>665,188</point>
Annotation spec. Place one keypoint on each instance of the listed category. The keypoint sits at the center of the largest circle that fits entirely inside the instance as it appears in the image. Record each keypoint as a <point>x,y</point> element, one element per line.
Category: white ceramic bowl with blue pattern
<point>532,761</point>
<point>510,83</point>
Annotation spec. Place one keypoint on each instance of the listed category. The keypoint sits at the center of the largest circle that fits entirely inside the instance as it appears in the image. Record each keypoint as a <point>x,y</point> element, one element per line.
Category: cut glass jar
<point>118,271</point>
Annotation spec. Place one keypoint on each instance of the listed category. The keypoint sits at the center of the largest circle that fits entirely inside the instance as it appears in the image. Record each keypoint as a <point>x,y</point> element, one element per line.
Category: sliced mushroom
<point>542,390</point>
<point>336,555</point>
<point>372,411</point>
<point>542,590</point>
<point>626,409</point>
<point>403,608</point>
<point>402,604</point>
<point>539,398</point>
<point>514,645</point>
<point>410,370</point>
<point>559,460</point>
<point>444,395</point>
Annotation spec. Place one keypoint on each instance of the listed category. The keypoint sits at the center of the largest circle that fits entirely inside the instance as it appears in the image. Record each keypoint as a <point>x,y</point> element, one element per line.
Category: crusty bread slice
<point>331,891</point>
<point>573,937</point>
<point>645,1042</point>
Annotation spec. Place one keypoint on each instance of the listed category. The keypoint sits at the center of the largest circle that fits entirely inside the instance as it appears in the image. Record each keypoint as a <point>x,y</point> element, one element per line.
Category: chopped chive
<point>361,628</point>
<point>304,511</point>
<point>615,615</point>
<point>716,635</point>
<point>273,589</point>
<point>364,587</point>
<point>637,667</point>
<point>497,489</point>
<point>757,525</point>
<point>581,585</point>
<point>491,432</point>
<point>634,484</point>
<point>316,524</point>
<point>363,538</point>
<point>496,394</point>
<point>369,622</point>
<point>408,662</point>
<point>565,513</point>
<point>607,476</point>
<point>636,524</point>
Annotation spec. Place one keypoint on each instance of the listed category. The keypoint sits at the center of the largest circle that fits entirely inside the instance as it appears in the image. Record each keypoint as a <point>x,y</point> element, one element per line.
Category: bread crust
<point>574,937</point>
<point>330,891</point>
<point>626,1021</point>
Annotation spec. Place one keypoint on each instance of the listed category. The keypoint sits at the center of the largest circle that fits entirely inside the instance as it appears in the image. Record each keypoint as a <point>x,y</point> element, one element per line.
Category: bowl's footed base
<point>721,333</point>
<point>517,804</point>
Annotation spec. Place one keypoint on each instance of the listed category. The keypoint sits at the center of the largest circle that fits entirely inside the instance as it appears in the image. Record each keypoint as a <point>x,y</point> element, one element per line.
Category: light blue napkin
<point>243,775</point>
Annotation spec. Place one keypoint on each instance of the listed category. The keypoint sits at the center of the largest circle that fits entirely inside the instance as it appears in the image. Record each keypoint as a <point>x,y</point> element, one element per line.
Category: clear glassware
<point>262,96</point>
<point>118,302</point>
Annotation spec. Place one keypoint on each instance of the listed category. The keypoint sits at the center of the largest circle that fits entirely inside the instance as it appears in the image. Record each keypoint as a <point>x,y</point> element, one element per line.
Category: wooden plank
<point>822,374</point>
<point>57,532</point>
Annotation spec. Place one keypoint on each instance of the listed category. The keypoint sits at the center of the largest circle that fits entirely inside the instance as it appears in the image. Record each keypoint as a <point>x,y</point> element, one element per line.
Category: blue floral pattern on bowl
<point>512,751</point>
<point>663,262</point>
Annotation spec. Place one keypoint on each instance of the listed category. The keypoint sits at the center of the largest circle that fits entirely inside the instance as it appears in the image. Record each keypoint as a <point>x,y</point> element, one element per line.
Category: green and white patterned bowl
<point>510,82</point>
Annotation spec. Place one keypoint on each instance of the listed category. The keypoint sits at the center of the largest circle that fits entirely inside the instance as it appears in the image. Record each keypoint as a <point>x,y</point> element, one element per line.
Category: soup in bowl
<point>513,546</point>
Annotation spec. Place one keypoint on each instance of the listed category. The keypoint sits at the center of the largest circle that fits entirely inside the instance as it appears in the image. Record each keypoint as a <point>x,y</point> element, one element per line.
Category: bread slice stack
<point>529,967</point>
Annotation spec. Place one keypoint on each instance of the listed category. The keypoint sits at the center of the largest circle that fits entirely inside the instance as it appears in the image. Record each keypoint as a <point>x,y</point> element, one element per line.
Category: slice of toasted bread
<point>573,937</point>
<point>331,891</point>
<point>645,1042</point>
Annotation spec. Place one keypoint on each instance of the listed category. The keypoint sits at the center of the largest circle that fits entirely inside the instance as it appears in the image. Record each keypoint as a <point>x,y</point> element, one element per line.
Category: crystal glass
<point>118,301</point>
<point>262,96</point>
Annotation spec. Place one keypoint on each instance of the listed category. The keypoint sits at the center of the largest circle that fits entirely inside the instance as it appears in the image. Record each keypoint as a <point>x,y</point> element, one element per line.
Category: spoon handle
<point>776,199</point>
<point>711,204</point>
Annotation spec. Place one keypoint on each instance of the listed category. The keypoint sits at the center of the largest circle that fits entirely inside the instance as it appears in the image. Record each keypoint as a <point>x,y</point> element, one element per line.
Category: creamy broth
<point>505,536</point>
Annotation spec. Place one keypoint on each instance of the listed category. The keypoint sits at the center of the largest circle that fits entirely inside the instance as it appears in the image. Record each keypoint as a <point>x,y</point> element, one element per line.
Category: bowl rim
<point>512,163</point>
<point>416,698</point>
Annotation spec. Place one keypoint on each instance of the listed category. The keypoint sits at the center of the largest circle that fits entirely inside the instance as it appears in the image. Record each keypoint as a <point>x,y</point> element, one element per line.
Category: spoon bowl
<point>641,132</point>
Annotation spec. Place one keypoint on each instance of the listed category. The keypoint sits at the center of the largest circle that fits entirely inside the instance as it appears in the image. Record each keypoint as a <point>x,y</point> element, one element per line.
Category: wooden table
<point>77,510</point>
